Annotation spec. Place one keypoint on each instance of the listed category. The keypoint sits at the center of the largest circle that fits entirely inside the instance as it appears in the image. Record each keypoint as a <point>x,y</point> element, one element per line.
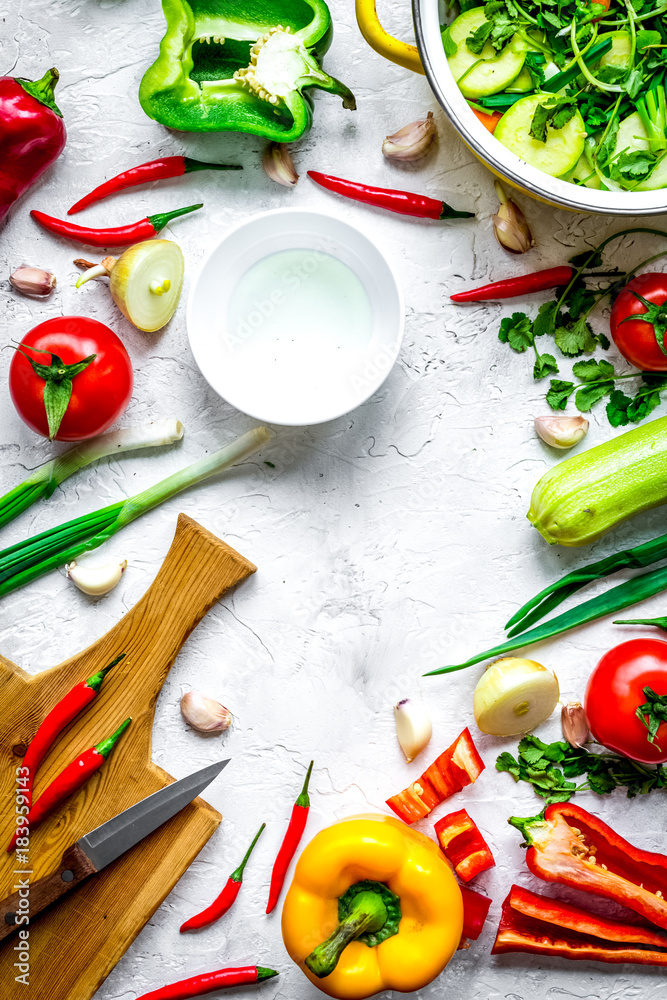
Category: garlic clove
<point>413,727</point>
<point>279,165</point>
<point>561,432</point>
<point>204,714</point>
<point>412,141</point>
<point>96,580</point>
<point>574,724</point>
<point>510,226</point>
<point>33,281</point>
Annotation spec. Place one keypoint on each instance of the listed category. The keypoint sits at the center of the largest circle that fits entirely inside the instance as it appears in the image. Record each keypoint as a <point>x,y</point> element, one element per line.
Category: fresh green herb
<point>450,46</point>
<point>555,113</point>
<point>550,767</point>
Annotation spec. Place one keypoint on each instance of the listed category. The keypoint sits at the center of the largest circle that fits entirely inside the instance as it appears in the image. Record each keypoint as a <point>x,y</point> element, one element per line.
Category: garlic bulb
<point>513,696</point>
<point>574,724</point>
<point>510,226</point>
<point>412,141</point>
<point>33,281</point>
<point>279,165</point>
<point>561,432</point>
<point>204,714</point>
<point>96,580</point>
<point>413,727</point>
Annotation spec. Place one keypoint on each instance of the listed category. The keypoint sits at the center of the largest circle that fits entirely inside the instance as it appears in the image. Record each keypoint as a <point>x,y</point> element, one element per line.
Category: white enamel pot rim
<point>427,19</point>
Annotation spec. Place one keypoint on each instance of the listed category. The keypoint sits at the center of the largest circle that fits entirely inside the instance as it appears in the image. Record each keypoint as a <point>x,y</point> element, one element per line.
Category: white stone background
<point>388,542</point>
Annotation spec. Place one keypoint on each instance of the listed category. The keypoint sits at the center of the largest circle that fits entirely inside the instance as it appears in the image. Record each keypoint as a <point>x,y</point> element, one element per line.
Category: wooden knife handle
<point>20,909</point>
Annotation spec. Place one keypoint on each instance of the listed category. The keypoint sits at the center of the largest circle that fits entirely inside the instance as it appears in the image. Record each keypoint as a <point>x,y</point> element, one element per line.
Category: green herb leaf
<point>556,112</point>
<point>633,167</point>
<point>592,370</point>
<point>646,38</point>
<point>535,63</point>
<point>517,331</point>
<point>450,46</point>
<point>576,338</point>
<point>559,393</point>
<point>546,319</point>
<point>545,364</point>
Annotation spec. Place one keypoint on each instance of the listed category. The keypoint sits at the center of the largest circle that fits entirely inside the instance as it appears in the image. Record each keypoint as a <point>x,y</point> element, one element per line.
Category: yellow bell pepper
<point>373,906</point>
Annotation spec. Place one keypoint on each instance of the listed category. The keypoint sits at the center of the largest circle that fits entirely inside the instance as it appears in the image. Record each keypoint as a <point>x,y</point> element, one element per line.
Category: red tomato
<point>100,393</point>
<point>615,692</point>
<point>637,340</point>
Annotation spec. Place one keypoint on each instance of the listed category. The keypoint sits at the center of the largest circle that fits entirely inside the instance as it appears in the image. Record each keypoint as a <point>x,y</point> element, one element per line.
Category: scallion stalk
<point>622,596</point>
<point>27,560</point>
<point>44,481</point>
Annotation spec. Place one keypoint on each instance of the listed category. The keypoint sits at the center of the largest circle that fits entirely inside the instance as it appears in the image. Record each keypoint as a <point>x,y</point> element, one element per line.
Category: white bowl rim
<point>495,155</point>
<point>330,217</point>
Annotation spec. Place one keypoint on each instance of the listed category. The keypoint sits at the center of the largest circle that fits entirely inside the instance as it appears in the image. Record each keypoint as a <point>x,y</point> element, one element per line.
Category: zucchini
<point>584,174</point>
<point>632,137</point>
<point>523,83</point>
<point>588,494</point>
<point>557,156</point>
<point>620,52</point>
<point>488,72</point>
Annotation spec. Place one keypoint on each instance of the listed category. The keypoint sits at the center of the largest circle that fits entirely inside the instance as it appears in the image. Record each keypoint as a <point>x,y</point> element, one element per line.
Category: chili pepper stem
<point>303,800</point>
<point>159,221</point>
<point>237,874</point>
<point>263,973</point>
<point>106,746</point>
<point>95,682</point>
<point>655,622</point>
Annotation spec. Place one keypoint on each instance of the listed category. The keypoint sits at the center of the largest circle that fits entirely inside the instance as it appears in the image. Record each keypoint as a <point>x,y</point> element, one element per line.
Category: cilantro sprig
<point>550,768</point>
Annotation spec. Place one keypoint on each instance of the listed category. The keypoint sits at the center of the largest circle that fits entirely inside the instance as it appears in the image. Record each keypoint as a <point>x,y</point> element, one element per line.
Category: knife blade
<point>98,848</point>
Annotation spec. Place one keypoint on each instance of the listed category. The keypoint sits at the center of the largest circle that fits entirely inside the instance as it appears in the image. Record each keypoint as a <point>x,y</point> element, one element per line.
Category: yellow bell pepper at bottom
<point>381,849</point>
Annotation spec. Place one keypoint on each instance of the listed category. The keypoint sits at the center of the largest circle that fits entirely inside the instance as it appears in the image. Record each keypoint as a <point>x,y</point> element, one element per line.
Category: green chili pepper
<point>240,66</point>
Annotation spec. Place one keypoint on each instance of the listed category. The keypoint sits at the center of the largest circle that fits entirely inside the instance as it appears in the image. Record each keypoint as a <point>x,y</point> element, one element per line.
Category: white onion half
<point>513,696</point>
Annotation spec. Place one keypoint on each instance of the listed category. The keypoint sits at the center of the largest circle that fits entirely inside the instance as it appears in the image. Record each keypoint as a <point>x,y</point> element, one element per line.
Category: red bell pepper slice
<point>475,911</point>
<point>542,926</point>
<point>458,766</point>
<point>463,845</point>
<point>571,846</point>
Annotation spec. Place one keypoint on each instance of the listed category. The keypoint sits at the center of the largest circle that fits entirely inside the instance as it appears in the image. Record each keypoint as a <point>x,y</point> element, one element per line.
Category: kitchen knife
<point>97,849</point>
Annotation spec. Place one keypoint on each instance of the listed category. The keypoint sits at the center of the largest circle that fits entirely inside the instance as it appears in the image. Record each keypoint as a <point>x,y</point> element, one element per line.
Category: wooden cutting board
<point>75,944</point>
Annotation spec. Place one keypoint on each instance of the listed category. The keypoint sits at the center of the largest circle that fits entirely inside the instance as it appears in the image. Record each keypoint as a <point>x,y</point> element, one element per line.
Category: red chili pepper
<point>155,170</point>
<point>571,846</point>
<point>475,911</point>
<point>68,781</point>
<point>60,716</point>
<point>119,237</point>
<point>226,898</point>
<point>551,277</point>
<point>297,825</point>
<point>403,202</point>
<point>209,981</point>
<point>540,925</point>
<point>458,766</point>
<point>32,134</point>
<point>463,845</point>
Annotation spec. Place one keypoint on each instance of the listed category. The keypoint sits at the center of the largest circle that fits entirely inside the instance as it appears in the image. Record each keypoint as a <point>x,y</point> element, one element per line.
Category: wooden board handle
<point>30,898</point>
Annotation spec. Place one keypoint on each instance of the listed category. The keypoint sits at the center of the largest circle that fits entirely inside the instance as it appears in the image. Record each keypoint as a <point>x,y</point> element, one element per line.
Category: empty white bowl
<point>295,317</point>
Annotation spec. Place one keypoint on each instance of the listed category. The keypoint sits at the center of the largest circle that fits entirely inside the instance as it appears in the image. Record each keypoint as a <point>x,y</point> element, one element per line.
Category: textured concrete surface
<point>388,542</point>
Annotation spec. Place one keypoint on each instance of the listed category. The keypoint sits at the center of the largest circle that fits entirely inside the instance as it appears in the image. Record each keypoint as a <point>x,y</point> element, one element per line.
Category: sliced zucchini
<point>486,73</point>
<point>632,137</point>
<point>584,174</point>
<point>523,83</point>
<point>557,156</point>
<point>620,51</point>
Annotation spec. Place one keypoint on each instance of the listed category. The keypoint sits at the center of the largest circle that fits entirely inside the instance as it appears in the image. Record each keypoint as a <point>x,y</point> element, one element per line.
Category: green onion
<point>560,80</point>
<point>35,556</point>
<point>635,558</point>
<point>622,596</point>
<point>44,481</point>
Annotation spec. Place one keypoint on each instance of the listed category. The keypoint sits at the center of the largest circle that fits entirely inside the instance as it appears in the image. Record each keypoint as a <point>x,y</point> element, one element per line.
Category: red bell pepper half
<point>458,766</point>
<point>463,845</point>
<point>540,925</point>
<point>573,847</point>
<point>475,911</point>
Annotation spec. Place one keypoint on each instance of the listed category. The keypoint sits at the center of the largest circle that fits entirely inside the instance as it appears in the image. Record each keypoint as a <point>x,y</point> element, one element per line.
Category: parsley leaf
<point>559,393</point>
<point>517,331</point>
<point>545,364</point>
<point>575,338</point>
<point>646,38</point>
<point>535,63</point>
<point>546,319</point>
<point>633,167</point>
<point>555,112</point>
<point>450,46</point>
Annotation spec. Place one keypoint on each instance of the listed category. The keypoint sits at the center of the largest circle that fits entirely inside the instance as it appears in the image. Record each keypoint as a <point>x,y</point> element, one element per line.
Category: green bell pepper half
<point>240,66</point>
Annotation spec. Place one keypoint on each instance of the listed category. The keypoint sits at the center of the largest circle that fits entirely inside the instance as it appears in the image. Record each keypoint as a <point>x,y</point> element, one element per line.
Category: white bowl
<point>280,340</point>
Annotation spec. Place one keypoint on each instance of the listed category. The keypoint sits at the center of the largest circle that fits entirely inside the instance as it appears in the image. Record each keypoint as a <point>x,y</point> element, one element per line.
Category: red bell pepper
<point>573,847</point>
<point>463,845</point>
<point>475,911</point>
<point>458,766</point>
<point>540,925</point>
<point>32,134</point>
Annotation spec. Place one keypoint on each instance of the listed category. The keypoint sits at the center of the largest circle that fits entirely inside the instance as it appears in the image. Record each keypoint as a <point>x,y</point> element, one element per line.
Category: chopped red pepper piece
<point>458,766</point>
<point>463,845</point>
<point>475,911</point>
<point>542,926</point>
<point>571,846</point>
